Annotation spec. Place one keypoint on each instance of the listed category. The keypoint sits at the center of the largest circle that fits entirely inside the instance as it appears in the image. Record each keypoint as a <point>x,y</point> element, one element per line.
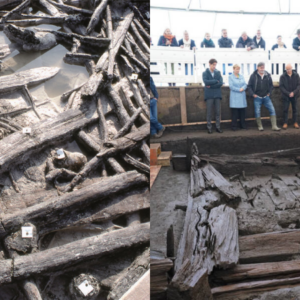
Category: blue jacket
<point>225,42</point>
<point>215,83</point>
<point>162,42</point>
<point>296,43</point>
<point>261,43</point>
<point>276,46</point>
<point>153,88</point>
<point>237,98</point>
<point>180,43</point>
<point>242,44</point>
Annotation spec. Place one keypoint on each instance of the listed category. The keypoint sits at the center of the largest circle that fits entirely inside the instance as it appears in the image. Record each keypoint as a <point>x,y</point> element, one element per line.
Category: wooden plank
<point>157,147</point>
<point>251,271</point>
<point>140,290</point>
<point>183,105</point>
<point>15,81</point>
<point>164,158</point>
<point>154,170</point>
<point>267,247</point>
<point>153,157</point>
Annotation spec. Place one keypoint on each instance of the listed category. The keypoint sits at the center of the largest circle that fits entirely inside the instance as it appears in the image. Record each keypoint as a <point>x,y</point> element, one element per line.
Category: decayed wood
<point>132,274</point>
<point>115,165</point>
<point>102,121</point>
<point>197,183</point>
<point>43,134</point>
<point>142,30</point>
<point>215,180</point>
<point>78,251</point>
<point>76,45</point>
<point>30,77</point>
<point>134,60</point>
<point>19,8</point>
<point>71,9</point>
<point>48,7</point>
<point>269,246</point>
<point>9,3</point>
<point>5,270</point>
<point>78,58</point>
<point>139,37</point>
<point>31,290</point>
<point>67,94</point>
<point>140,166</point>
<point>252,271</point>
<point>31,101</point>
<point>96,16</point>
<point>52,210</point>
<point>110,35</point>
<point>187,286</point>
<point>13,182</point>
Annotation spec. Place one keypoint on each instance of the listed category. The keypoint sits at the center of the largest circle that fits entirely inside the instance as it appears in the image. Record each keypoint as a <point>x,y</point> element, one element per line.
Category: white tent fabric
<point>271,16</point>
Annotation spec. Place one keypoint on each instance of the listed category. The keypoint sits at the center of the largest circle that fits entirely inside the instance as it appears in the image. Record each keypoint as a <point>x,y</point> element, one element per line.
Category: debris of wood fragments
<point>74,196</point>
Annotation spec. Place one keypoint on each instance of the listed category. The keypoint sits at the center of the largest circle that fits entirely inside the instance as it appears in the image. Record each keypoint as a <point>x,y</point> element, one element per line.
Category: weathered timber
<point>5,4</point>
<point>78,58</point>
<point>110,35</point>
<point>48,8</point>
<point>31,101</point>
<point>71,9</point>
<point>140,166</point>
<point>137,50</point>
<point>52,210</point>
<point>134,59</point>
<point>67,94</point>
<point>31,290</point>
<point>115,165</point>
<point>255,271</point>
<point>142,29</point>
<point>197,183</point>
<point>139,37</point>
<point>187,286</point>
<point>78,251</point>
<point>76,45</point>
<point>88,141</point>
<point>84,40</point>
<point>102,121</point>
<point>215,180</point>
<point>267,247</point>
<point>5,270</point>
<point>95,18</point>
<point>44,133</point>
<point>30,77</point>
<point>19,8</point>
<point>136,270</point>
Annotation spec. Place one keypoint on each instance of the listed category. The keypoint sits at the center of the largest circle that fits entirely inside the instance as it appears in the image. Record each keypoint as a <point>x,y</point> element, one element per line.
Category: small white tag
<point>27,232</point>
<point>85,287</point>
<point>147,14</point>
<point>134,76</point>
<point>26,130</point>
<point>60,153</point>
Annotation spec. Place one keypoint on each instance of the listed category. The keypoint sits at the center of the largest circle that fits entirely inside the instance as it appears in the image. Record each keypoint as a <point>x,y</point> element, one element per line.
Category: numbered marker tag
<point>60,154</point>
<point>85,287</point>
<point>147,15</point>
<point>27,232</point>
<point>26,130</point>
<point>134,76</point>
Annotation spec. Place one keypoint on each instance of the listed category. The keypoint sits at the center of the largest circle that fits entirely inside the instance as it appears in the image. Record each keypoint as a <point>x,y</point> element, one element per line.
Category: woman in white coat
<point>238,102</point>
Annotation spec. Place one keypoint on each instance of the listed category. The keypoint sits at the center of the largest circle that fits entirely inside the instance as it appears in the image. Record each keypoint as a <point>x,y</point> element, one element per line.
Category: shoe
<point>209,131</point>
<point>219,130</point>
<point>274,123</point>
<point>160,133</point>
<point>296,125</point>
<point>259,124</point>
<point>285,126</point>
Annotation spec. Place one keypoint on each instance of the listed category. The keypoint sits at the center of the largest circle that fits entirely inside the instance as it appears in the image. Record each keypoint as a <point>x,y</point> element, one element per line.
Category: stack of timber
<point>74,178</point>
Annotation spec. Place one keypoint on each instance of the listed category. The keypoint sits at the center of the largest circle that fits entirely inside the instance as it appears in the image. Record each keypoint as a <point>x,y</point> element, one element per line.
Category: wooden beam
<point>183,105</point>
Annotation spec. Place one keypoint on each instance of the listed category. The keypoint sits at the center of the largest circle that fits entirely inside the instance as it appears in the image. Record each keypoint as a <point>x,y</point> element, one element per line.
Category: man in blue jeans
<point>156,129</point>
<point>260,87</point>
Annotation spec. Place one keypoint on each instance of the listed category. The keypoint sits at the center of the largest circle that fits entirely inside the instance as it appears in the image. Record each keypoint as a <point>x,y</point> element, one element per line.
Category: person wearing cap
<point>259,41</point>
<point>245,42</point>
<point>289,85</point>
<point>296,41</point>
<point>260,87</point>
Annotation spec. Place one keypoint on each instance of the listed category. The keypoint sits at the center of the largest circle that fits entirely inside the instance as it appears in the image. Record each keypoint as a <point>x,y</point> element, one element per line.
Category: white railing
<point>173,64</point>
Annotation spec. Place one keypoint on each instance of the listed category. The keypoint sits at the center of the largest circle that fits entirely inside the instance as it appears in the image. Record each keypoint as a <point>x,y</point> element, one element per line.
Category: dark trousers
<point>286,105</point>
<point>210,103</point>
<point>238,113</point>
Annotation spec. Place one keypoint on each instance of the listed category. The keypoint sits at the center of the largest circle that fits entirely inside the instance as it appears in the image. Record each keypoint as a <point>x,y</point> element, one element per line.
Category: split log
<point>71,9</point>
<point>233,291</point>
<point>84,40</point>
<point>127,64</point>
<point>110,35</point>
<point>8,126</point>
<point>134,59</point>
<point>67,94</point>
<point>43,134</point>
<point>269,246</point>
<point>52,210</point>
<point>143,91</point>
<point>255,271</point>
<point>136,270</point>
<point>197,183</point>
<point>215,180</point>
<point>17,9</point>
<point>78,58</point>
<point>141,29</point>
<point>102,121</point>
<point>139,37</point>
<point>49,8</point>
<point>115,165</point>
<point>95,18</point>
<point>30,77</point>
<point>31,290</point>
<point>6,4</point>
<point>88,142</point>
<point>187,286</point>
<point>138,14</point>
<point>85,249</point>
<point>31,101</point>
<point>140,166</point>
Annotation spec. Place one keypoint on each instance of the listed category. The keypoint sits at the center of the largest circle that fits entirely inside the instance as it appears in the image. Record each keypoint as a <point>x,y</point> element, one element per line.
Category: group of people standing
<point>168,39</point>
<point>259,87</point>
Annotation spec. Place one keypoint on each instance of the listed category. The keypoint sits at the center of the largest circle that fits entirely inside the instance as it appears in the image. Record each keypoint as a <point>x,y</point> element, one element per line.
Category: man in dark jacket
<point>245,42</point>
<point>156,129</point>
<point>186,42</point>
<point>289,86</point>
<point>260,87</point>
<point>213,81</point>
<point>224,41</point>
<point>259,42</point>
<point>296,41</point>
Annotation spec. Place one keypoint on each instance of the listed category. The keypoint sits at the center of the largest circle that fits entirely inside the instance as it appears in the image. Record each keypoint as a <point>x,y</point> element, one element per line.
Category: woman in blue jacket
<point>238,102</point>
